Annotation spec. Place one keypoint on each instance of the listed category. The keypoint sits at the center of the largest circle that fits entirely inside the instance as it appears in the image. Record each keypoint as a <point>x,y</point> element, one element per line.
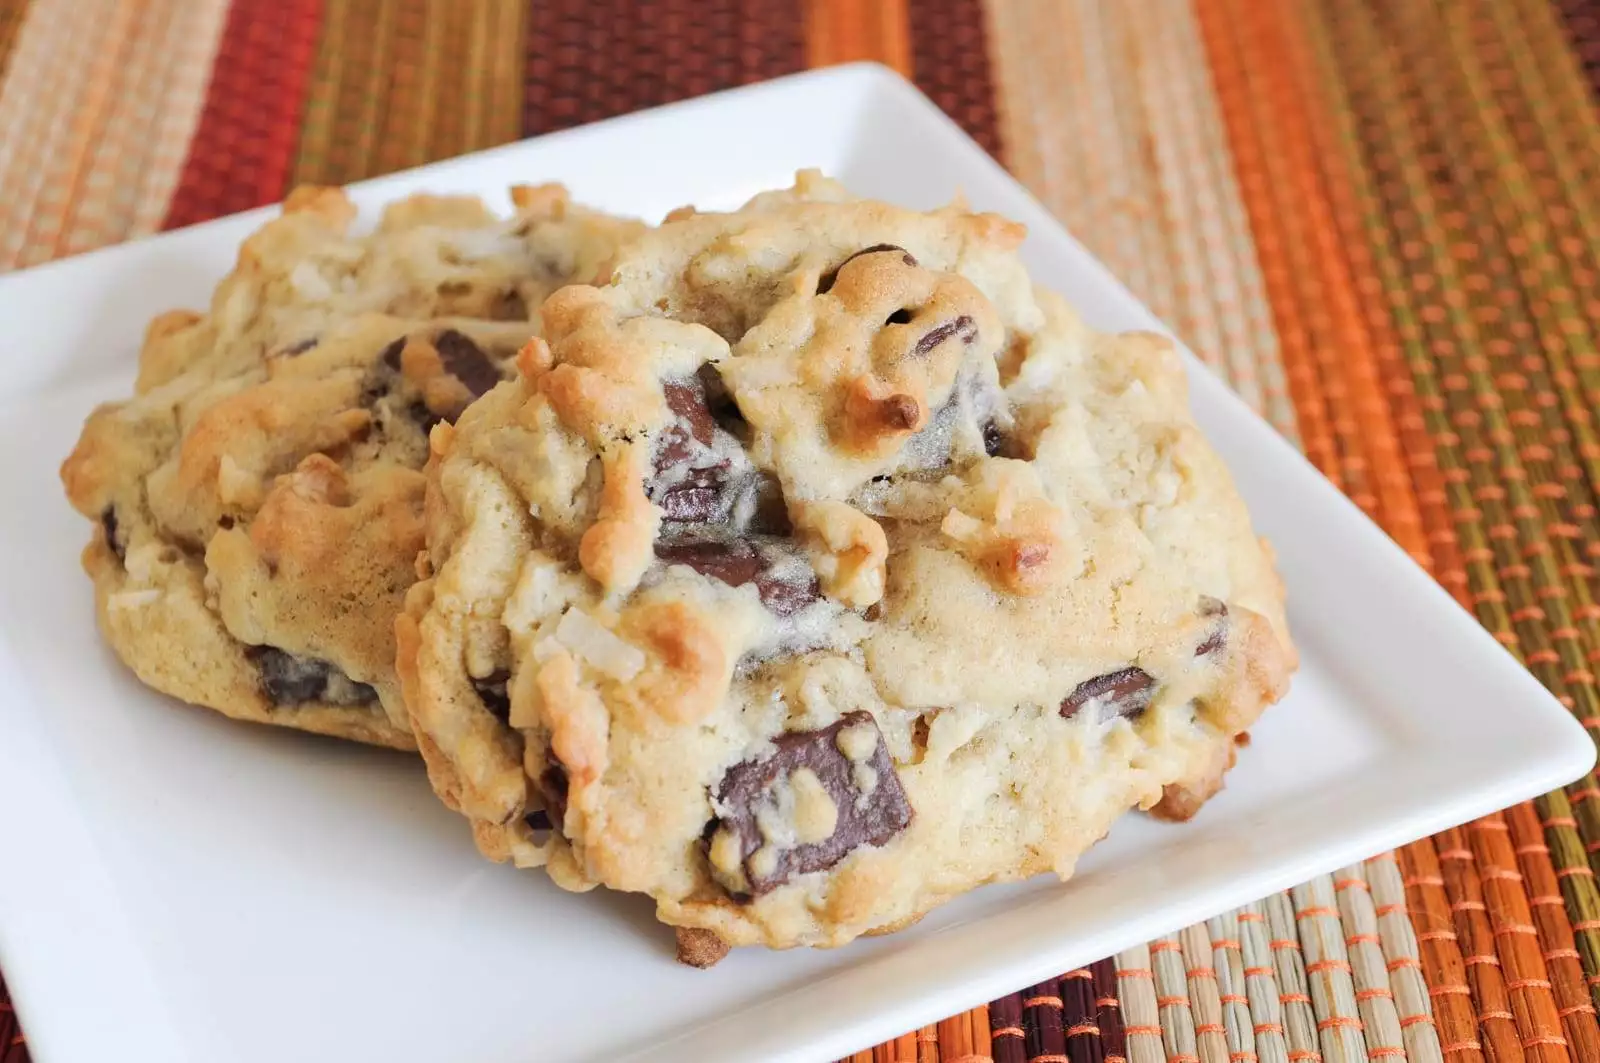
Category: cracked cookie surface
<point>258,501</point>
<point>817,567</point>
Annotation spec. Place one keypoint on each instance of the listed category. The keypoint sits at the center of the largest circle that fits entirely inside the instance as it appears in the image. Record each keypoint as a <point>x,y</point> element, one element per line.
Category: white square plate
<point>177,887</point>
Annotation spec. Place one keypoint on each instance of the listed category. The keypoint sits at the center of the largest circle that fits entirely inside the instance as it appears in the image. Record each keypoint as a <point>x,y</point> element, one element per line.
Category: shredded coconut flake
<point>309,281</point>
<point>133,599</point>
<point>593,643</point>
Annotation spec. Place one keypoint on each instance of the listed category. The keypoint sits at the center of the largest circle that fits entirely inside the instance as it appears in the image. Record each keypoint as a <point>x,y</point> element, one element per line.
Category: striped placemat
<point>1379,219</point>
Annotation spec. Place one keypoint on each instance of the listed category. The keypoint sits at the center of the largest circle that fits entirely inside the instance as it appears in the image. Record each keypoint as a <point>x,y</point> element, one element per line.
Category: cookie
<point>258,501</point>
<point>429,256</point>
<point>830,569</point>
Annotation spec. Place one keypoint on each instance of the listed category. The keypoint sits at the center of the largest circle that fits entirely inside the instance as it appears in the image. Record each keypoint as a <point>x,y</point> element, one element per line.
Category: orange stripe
<point>1345,343</point>
<point>845,31</point>
<point>1228,66</point>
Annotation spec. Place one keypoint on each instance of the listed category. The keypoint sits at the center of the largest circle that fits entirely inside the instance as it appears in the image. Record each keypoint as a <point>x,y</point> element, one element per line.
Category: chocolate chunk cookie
<point>259,500</point>
<point>830,569</point>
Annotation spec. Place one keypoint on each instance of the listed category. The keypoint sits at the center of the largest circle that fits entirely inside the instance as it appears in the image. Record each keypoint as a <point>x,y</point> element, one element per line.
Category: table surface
<point>1378,219</point>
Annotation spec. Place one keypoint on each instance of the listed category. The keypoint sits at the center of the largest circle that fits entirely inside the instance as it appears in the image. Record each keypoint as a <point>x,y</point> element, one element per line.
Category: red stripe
<point>244,145</point>
<point>592,59</point>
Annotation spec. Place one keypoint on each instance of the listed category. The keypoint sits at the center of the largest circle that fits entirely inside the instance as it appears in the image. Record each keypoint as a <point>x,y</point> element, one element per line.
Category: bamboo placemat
<point>1378,219</point>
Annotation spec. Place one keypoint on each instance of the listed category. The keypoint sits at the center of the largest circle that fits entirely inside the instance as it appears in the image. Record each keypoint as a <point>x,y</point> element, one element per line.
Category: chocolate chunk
<point>425,418</point>
<point>391,354</point>
<point>553,785</point>
<point>493,693</point>
<point>719,401</point>
<point>769,515</point>
<point>538,819</point>
<point>784,598</point>
<point>688,401</point>
<point>299,347</point>
<point>737,562</point>
<point>700,495</point>
<point>509,305</point>
<point>869,807</point>
<point>290,680</point>
<point>1125,692</point>
<point>676,444</point>
<point>733,561</point>
<point>994,440</point>
<point>466,361</point>
<point>826,282</point>
<point>696,499</point>
<point>108,524</point>
<point>962,326</point>
<point>1218,637</point>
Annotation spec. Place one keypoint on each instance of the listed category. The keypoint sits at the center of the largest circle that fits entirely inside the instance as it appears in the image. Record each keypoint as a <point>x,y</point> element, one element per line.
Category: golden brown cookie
<point>258,501</point>
<point>831,569</point>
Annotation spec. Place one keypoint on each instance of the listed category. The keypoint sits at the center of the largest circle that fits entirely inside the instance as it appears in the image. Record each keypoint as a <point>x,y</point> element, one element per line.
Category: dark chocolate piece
<point>391,354</point>
<point>737,562</point>
<point>290,680</point>
<point>826,282</point>
<point>424,418</point>
<point>1127,692</point>
<point>465,360</point>
<point>1218,637</point>
<point>870,816</point>
<point>994,440</point>
<point>492,691</point>
<point>688,401</point>
<point>962,326</point>
<point>553,785</point>
<point>108,524</point>
<point>697,498</point>
<point>719,401</point>
<point>770,513</point>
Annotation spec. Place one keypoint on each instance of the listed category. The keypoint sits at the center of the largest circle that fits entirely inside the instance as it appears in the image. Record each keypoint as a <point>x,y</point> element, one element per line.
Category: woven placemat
<point>1378,219</point>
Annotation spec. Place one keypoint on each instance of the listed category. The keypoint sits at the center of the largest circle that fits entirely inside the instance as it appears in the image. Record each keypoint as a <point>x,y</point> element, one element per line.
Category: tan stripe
<point>477,37</point>
<point>1110,117</point>
<point>456,77</point>
<point>61,56</point>
<point>27,113</point>
<point>507,52</point>
<point>1041,78</point>
<point>192,49</point>
<point>1237,287</point>
<point>97,205</point>
<point>1185,208</point>
<point>845,31</point>
<point>115,38</point>
<point>156,100</point>
<point>1121,138</point>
